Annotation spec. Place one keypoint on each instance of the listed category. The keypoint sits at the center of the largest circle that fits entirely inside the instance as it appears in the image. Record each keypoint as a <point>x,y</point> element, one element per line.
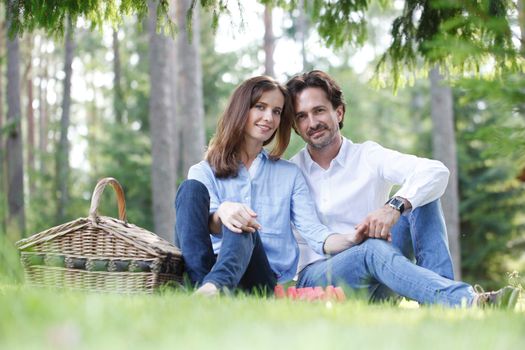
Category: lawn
<point>44,319</point>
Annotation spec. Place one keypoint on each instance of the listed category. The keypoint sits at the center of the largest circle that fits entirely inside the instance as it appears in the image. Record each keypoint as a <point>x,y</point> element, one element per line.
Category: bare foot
<point>208,290</point>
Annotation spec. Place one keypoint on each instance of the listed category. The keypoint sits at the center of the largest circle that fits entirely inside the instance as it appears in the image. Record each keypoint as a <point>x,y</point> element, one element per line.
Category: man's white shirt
<point>359,181</point>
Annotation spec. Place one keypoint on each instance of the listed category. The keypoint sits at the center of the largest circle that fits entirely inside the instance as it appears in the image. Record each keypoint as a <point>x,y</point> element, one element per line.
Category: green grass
<point>44,319</point>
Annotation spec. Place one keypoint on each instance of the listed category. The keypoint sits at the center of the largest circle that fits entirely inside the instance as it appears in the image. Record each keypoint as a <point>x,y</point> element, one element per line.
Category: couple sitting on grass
<point>248,219</point>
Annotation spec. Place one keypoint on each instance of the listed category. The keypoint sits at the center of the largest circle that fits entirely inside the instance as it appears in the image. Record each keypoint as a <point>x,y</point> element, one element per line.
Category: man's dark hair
<point>318,79</point>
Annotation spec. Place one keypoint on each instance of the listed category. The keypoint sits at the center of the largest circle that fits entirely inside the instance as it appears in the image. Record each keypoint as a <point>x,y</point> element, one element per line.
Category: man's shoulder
<point>297,157</point>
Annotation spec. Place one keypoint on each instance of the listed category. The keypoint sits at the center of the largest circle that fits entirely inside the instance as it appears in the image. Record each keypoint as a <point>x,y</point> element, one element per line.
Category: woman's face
<point>264,117</point>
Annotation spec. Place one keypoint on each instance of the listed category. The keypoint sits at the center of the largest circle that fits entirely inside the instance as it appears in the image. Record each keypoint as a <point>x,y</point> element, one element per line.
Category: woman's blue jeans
<point>242,261</point>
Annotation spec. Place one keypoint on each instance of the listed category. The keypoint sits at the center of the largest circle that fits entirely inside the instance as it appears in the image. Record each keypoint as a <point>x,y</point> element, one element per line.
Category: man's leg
<point>422,234</point>
<point>376,261</point>
<point>192,208</point>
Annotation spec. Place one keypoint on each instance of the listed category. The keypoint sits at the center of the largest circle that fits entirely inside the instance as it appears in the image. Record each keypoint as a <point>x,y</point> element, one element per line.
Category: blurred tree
<point>2,148</point>
<point>30,116</point>
<point>42,105</point>
<point>221,73</point>
<point>14,148</point>
<point>190,102</point>
<point>492,199</point>
<point>163,172</point>
<point>62,155</point>
<point>268,42</point>
<point>118,99</point>
<point>444,149</point>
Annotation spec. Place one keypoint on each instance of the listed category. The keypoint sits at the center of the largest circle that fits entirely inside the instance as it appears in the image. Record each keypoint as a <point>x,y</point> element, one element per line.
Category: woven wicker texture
<point>100,253</point>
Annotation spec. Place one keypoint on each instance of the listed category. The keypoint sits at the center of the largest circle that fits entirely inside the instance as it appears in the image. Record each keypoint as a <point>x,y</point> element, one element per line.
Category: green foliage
<point>459,36</point>
<point>491,197</point>
<point>28,15</point>
<point>340,22</point>
<point>10,268</point>
<point>129,161</point>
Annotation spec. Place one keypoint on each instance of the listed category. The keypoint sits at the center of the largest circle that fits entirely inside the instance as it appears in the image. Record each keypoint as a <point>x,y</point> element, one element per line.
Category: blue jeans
<point>376,262</point>
<point>422,234</point>
<point>242,261</point>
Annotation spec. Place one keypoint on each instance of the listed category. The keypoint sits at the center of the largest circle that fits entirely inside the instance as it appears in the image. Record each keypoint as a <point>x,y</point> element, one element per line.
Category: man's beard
<point>323,142</point>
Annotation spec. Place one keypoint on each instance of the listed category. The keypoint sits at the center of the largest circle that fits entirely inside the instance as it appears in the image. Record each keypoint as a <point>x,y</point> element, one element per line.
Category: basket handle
<point>97,192</point>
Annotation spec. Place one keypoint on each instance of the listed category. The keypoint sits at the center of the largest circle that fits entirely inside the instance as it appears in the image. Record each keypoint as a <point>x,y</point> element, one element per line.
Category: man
<point>351,185</point>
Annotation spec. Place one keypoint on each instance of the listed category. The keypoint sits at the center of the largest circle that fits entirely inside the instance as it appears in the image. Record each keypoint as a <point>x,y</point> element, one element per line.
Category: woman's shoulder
<point>200,169</point>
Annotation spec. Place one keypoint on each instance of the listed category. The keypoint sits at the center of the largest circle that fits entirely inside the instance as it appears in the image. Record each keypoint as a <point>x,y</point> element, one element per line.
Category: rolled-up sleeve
<point>304,215</point>
<point>422,180</point>
<point>204,174</point>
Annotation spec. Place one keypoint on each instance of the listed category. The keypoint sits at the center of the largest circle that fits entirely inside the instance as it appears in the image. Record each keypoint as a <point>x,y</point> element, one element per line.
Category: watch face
<point>397,204</point>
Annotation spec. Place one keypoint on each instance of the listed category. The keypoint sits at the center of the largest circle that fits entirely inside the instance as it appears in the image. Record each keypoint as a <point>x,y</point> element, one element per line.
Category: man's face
<point>315,119</point>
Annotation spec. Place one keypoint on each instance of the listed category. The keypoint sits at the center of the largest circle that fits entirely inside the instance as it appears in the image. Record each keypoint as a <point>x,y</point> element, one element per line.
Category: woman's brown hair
<point>224,149</point>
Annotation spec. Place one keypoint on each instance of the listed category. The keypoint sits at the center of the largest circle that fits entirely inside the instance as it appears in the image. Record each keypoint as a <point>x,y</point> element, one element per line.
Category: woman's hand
<point>237,217</point>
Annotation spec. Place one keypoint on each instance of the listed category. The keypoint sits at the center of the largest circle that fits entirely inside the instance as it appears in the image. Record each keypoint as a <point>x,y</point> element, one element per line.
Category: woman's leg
<point>192,206</point>
<point>241,260</point>
<point>237,251</point>
<point>259,276</point>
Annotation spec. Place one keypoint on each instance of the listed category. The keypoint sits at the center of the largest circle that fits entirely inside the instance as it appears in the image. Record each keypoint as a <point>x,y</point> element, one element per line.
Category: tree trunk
<point>42,115</point>
<point>62,162</point>
<point>30,120</point>
<point>15,161</point>
<point>521,20</point>
<point>444,149</point>
<point>521,106</point>
<point>162,167</point>
<point>302,31</point>
<point>191,106</point>
<point>269,42</point>
<point>118,99</point>
<point>2,148</point>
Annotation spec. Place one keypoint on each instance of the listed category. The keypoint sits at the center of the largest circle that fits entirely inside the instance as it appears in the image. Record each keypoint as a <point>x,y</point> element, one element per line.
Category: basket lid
<point>142,239</point>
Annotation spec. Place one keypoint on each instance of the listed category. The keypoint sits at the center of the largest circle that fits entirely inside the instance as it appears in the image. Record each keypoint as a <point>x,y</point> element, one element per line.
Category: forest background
<point>115,92</point>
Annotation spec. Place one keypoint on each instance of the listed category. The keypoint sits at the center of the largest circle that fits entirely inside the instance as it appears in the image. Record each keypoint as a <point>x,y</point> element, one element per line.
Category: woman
<point>246,197</point>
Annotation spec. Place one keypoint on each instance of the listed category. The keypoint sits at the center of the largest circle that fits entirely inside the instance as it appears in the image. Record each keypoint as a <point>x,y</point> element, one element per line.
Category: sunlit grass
<point>35,318</point>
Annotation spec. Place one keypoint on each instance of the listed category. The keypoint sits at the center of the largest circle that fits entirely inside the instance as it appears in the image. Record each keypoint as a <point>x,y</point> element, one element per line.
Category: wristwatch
<point>396,203</point>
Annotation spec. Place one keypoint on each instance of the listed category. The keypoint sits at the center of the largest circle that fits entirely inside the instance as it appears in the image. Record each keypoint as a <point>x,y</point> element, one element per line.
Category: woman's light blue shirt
<point>279,195</point>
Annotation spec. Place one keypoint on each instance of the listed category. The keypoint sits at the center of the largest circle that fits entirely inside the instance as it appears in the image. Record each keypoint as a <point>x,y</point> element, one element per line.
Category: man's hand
<point>380,222</point>
<point>237,217</point>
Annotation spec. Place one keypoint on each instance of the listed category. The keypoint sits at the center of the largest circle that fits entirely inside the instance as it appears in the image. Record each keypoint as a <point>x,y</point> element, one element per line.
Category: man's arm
<point>422,180</point>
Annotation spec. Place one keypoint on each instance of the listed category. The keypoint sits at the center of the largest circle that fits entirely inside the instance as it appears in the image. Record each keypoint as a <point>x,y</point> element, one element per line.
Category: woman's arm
<point>237,217</point>
<point>338,242</point>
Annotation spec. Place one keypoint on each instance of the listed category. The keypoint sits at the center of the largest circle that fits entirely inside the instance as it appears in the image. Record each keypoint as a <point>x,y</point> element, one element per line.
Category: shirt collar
<point>263,154</point>
<point>339,158</point>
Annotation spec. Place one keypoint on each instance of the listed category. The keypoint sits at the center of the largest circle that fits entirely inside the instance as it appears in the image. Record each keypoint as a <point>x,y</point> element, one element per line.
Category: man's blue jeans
<point>241,262</point>
<point>381,267</point>
<point>375,262</point>
<point>422,234</point>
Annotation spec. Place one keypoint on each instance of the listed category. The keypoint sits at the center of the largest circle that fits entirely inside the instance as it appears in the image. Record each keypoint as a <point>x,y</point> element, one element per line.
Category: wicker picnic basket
<point>100,253</point>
